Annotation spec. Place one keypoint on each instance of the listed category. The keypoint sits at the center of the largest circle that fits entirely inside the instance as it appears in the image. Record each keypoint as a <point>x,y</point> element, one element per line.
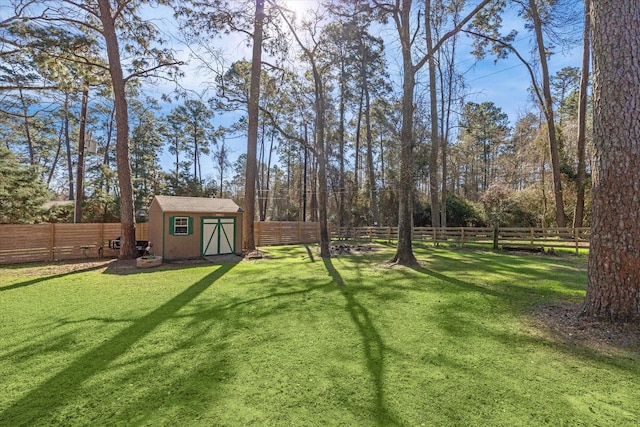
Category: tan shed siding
<point>155,229</point>
<point>181,247</point>
<point>238,233</point>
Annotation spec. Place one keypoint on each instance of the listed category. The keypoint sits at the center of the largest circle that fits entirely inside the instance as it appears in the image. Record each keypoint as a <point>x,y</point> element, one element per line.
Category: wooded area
<point>338,129</point>
<point>356,113</point>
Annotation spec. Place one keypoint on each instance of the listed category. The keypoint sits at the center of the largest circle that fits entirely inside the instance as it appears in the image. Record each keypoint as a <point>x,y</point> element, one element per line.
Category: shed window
<point>180,226</point>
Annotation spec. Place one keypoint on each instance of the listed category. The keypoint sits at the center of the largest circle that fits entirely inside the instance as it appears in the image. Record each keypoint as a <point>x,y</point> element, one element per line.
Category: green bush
<point>460,213</point>
<point>463,213</point>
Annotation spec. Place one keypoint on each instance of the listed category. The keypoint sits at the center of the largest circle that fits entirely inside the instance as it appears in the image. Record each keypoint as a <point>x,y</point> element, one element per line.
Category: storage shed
<point>191,227</point>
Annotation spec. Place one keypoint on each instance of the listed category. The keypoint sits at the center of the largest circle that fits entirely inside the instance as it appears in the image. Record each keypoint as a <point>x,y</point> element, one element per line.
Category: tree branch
<point>148,72</point>
<point>502,43</point>
<point>286,134</point>
<point>450,34</point>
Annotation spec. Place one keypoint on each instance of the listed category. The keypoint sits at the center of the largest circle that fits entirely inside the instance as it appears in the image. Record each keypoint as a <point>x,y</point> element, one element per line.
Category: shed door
<point>218,236</point>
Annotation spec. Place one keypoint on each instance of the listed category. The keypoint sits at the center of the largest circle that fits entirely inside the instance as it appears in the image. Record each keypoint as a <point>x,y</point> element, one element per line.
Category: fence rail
<point>573,238</point>
<point>53,242</point>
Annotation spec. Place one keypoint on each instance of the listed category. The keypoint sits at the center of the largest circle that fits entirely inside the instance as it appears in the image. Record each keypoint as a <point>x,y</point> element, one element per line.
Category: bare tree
<point>252,134</point>
<point>319,146</point>
<point>581,178</point>
<point>401,13</point>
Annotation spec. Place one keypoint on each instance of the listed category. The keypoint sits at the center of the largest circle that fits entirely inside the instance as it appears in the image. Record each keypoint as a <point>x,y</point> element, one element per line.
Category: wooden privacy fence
<point>285,233</point>
<point>53,242</point>
<point>573,238</point>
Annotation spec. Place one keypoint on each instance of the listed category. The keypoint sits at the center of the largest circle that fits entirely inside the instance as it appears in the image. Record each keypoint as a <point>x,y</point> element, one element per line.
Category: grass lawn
<point>292,340</point>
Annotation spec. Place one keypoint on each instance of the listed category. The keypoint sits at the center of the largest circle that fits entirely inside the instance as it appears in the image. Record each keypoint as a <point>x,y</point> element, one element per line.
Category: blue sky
<point>505,82</point>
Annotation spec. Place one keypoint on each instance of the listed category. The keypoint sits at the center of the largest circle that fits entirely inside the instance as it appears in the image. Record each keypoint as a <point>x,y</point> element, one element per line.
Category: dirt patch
<point>254,255</point>
<point>108,265</point>
<point>62,267</point>
<point>129,265</point>
<point>562,323</point>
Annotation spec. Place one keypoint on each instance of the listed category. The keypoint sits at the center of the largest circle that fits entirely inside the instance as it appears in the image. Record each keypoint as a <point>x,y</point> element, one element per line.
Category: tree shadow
<point>508,287</point>
<point>555,336</point>
<point>46,278</point>
<point>310,253</point>
<point>43,400</point>
<point>459,283</point>
<point>373,344</point>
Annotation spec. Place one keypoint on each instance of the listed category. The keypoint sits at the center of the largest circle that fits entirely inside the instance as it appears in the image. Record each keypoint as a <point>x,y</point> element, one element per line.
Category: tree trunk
<point>127,217</point>
<point>67,141</point>
<point>547,108</point>
<point>304,177</point>
<point>268,179</point>
<point>581,179</point>
<point>445,107</point>
<point>56,157</point>
<point>105,159</point>
<point>356,163</point>
<point>341,132</point>
<point>27,128</point>
<point>614,260</point>
<point>260,180</point>
<point>319,145</point>
<point>77,214</point>
<point>252,135</point>
<point>435,142</point>
<point>404,251</point>
<point>373,186</point>
<point>313,202</point>
<point>543,186</point>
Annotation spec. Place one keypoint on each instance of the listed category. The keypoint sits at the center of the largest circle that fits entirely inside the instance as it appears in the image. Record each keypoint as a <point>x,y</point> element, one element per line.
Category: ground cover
<point>472,337</point>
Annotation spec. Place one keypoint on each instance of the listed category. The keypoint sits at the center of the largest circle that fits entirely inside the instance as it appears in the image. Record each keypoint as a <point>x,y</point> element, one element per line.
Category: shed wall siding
<point>155,229</point>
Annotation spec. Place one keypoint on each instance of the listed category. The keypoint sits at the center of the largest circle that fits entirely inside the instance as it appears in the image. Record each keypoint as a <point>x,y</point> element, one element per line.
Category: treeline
<point>332,115</point>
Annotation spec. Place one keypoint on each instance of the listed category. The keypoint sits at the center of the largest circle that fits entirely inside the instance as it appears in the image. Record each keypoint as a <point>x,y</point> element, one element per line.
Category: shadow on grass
<point>41,401</point>
<point>45,278</point>
<point>310,253</point>
<point>519,294</point>
<point>513,277</point>
<point>374,346</point>
<point>523,296</point>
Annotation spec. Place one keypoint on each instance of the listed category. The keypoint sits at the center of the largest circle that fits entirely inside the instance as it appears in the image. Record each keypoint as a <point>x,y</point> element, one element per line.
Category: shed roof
<point>195,204</point>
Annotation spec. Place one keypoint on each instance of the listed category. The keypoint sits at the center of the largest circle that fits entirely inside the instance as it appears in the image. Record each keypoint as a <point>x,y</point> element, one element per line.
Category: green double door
<point>218,236</point>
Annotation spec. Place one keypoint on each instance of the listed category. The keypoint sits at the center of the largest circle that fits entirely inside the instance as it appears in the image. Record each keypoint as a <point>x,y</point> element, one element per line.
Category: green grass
<point>294,340</point>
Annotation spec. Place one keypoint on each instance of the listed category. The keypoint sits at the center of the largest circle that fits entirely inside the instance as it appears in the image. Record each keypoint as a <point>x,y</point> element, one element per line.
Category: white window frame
<point>181,226</point>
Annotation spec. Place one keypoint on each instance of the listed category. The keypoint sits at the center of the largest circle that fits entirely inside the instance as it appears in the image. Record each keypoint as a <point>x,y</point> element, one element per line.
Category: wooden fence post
<point>52,241</point>
<point>101,242</point>
<point>462,237</point>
